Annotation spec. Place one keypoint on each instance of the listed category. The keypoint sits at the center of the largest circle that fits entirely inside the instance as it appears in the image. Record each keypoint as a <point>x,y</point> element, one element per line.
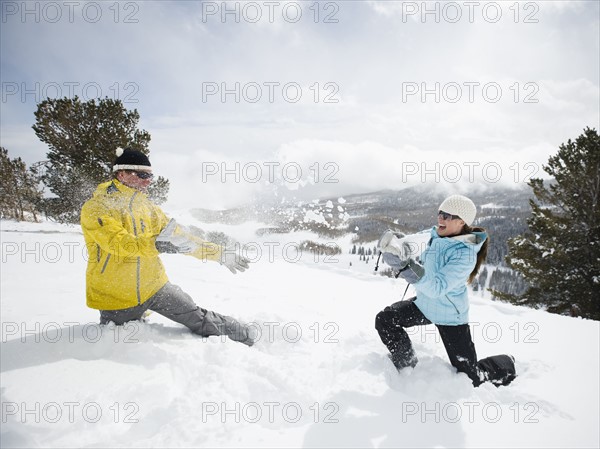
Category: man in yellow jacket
<point>124,234</point>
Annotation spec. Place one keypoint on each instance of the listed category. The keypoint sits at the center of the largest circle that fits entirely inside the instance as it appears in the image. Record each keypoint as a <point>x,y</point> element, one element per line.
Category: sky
<point>262,101</point>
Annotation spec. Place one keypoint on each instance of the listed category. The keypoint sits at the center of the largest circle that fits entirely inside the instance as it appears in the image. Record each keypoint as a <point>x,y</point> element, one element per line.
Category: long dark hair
<point>482,254</point>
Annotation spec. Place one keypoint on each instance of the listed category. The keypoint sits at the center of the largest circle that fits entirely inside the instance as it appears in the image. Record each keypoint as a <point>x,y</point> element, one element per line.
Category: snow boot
<point>498,369</point>
<point>402,361</point>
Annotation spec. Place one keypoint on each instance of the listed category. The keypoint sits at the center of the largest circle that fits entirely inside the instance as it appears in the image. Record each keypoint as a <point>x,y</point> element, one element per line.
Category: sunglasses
<point>446,216</point>
<point>143,174</point>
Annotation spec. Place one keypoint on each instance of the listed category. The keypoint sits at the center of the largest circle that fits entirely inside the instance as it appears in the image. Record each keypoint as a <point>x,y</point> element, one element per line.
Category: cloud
<point>308,169</point>
<point>356,76</point>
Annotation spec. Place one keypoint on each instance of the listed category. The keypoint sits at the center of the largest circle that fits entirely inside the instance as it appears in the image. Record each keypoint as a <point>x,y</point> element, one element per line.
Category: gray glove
<point>413,272</point>
<point>394,261</point>
<point>172,240</point>
<point>232,259</point>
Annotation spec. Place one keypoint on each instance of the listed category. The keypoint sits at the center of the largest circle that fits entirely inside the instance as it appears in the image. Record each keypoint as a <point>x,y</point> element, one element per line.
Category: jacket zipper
<point>105,264</point>
<point>139,297</point>
<point>453,305</point>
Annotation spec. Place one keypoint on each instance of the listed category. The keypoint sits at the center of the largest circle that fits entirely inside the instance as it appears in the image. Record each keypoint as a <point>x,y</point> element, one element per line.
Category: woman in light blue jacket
<point>452,259</point>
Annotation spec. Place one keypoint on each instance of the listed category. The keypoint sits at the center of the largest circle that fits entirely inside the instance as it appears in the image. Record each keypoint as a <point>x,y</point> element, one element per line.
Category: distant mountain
<point>502,211</point>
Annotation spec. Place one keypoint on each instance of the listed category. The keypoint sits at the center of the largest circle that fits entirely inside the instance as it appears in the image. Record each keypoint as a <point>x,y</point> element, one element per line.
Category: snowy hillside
<point>318,376</point>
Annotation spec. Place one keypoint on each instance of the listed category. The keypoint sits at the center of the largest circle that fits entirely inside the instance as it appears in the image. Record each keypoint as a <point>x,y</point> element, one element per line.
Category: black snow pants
<point>172,302</point>
<point>391,322</point>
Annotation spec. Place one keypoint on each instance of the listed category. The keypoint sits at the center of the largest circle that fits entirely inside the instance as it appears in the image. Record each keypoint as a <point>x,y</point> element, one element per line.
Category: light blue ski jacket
<point>448,262</point>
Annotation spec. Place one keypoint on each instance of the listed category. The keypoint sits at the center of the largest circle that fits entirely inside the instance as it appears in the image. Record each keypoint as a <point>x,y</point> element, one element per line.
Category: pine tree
<point>560,255</point>
<point>7,185</point>
<point>158,191</point>
<point>19,188</point>
<point>82,138</point>
<point>508,282</point>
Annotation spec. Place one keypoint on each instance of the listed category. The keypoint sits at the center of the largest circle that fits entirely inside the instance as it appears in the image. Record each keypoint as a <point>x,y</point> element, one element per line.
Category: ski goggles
<point>446,216</point>
<point>143,174</point>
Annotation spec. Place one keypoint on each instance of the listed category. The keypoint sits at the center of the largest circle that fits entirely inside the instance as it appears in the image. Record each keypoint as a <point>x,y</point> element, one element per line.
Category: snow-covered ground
<point>318,376</point>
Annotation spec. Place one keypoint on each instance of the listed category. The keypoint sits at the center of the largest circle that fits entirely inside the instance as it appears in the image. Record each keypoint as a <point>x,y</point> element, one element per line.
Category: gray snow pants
<point>172,302</point>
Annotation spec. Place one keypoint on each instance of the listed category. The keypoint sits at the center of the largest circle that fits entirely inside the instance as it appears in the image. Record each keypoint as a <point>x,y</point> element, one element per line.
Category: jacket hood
<point>475,238</point>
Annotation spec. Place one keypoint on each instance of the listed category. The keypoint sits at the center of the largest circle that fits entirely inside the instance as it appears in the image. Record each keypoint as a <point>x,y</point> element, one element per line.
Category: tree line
<point>20,194</point>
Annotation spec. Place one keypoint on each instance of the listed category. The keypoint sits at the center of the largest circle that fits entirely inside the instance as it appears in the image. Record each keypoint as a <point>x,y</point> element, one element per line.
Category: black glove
<point>413,272</point>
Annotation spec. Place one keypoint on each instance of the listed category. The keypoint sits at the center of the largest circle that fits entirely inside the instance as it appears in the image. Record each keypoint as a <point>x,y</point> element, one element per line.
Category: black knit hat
<point>129,159</point>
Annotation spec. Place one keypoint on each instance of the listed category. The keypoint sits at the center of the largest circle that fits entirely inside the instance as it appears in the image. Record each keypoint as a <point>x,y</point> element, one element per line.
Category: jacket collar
<point>475,238</point>
<point>113,186</point>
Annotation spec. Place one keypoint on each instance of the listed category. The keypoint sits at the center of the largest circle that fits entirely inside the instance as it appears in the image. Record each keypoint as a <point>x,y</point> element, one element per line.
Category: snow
<point>318,376</point>
<point>314,216</point>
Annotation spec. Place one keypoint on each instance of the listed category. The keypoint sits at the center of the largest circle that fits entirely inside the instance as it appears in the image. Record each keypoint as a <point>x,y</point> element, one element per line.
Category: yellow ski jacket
<point>120,226</point>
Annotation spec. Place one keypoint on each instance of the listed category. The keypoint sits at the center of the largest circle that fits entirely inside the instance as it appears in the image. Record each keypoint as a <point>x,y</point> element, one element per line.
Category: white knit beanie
<point>461,206</point>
